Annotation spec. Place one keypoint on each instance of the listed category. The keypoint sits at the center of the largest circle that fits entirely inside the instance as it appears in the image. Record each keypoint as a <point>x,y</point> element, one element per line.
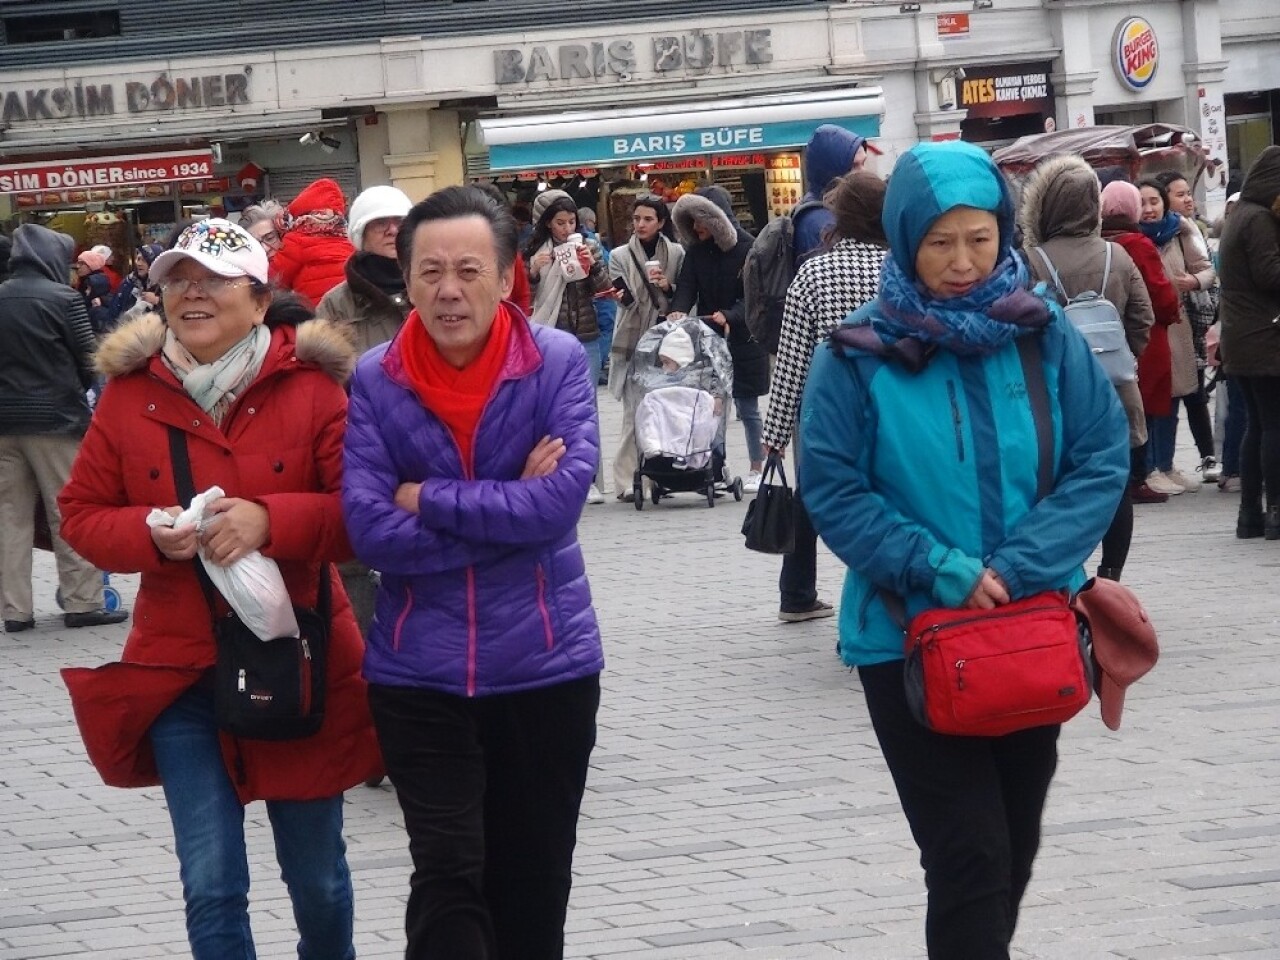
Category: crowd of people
<point>400,402</point>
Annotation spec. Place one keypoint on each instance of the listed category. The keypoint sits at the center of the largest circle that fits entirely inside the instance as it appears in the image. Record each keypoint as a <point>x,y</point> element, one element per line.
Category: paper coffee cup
<point>651,267</point>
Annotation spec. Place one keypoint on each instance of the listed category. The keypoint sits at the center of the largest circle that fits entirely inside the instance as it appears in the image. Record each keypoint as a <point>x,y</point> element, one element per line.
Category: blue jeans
<point>752,426</point>
<point>208,829</point>
<point>1162,433</point>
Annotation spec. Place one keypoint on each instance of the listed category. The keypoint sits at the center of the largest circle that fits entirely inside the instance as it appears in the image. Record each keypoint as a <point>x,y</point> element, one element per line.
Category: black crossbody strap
<point>654,293</point>
<point>186,487</point>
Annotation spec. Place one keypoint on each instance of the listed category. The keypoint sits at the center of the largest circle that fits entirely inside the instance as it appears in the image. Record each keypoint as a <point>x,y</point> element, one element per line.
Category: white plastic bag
<point>252,586</point>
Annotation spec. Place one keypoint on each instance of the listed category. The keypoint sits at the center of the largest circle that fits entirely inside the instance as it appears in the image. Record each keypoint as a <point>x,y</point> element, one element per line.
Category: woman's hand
<point>989,593</point>
<point>539,261</point>
<point>720,320</point>
<point>676,315</point>
<point>585,259</point>
<point>1186,283</point>
<point>149,297</point>
<point>176,543</point>
<point>407,495</point>
<point>237,528</point>
<point>543,458</point>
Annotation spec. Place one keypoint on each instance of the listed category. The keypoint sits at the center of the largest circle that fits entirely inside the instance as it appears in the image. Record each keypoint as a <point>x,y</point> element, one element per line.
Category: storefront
<point>749,145</point>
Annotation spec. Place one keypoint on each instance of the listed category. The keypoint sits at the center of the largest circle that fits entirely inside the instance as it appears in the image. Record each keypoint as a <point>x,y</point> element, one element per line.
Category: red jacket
<point>281,446</point>
<point>314,247</point>
<point>1155,366</point>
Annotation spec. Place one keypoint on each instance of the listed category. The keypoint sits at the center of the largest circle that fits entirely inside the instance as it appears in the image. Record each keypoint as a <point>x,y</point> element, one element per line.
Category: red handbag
<point>985,673</point>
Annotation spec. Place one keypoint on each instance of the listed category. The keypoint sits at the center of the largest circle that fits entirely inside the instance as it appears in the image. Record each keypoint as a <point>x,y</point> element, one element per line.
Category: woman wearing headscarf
<point>1250,256</point>
<point>1121,211</point>
<point>1061,218</point>
<point>137,294</point>
<point>261,411</point>
<point>561,302</point>
<point>646,298</point>
<point>95,286</point>
<point>472,440</point>
<point>314,248</point>
<point>919,460</point>
<point>710,279</point>
<point>1180,244</point>
<point>826,288</point>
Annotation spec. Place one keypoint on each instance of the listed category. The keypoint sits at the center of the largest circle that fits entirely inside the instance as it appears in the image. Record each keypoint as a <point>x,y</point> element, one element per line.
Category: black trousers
<point>974,806</point>
<point>798,582</point>
<point>1260,448</point>
<point>490,788</point>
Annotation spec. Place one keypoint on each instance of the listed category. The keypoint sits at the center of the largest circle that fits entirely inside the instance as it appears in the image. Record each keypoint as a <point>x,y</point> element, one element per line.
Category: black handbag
<point>263,689</point>
<point>770,525</point>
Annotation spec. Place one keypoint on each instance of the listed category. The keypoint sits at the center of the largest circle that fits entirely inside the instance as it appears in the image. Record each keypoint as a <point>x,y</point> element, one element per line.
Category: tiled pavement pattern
<point>737,805</point>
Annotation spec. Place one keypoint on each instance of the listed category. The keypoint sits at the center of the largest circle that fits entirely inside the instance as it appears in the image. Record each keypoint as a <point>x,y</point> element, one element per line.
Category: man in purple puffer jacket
<point>471,441</point>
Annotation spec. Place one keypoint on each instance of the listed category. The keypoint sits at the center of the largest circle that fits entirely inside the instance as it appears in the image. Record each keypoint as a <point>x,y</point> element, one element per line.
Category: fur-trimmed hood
<point>131,346</point>
<point>692,207</point>
<point>1061,198</point>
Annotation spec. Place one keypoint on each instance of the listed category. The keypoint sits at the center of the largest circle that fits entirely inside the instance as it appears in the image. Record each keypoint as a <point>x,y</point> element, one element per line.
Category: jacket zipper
<point>956,420</point>
<point>400,621</point>
<point>542,606</point>
<point>471,631</point>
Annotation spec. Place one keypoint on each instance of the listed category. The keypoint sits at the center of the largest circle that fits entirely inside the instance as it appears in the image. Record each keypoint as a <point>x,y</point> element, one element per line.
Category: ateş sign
<point>1136,53</point>
<point>106,171</point>
<point>1006,91</point>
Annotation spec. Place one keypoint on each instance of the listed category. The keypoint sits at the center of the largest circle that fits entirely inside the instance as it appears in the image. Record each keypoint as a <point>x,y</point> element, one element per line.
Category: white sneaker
<point>752,482</point>
<point>1188,484</point>
<point>1210,469</point>
<point>1160,483</point>
<point>594,495</point>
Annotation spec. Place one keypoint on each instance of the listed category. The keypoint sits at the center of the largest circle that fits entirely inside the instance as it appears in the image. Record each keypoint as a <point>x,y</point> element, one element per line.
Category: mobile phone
<point>621,285</point>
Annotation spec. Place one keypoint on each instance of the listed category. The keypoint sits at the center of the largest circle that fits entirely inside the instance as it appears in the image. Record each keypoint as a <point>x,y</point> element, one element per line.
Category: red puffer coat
<point>314,248</point>
<point>281,446</point>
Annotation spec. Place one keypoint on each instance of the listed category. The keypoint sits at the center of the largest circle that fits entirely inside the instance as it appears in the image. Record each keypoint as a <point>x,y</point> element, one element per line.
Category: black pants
<point>490,788</point>
<point>974,806</point>
<point>798,582</point>
<point>1119,536</point>
<point>1260,448</point>
<point>1198,418</point>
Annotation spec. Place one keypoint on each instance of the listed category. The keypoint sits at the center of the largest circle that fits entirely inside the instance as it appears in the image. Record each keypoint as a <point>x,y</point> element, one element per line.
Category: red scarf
<point>456,396</point>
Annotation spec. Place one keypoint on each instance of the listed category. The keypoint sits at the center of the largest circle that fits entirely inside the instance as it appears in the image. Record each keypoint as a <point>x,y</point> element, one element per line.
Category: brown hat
<point>1124,641</point>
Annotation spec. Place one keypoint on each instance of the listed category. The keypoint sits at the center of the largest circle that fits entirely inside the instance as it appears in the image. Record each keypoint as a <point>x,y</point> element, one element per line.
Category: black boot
<point>1271,525</point>
<point>1249,523</point>
<point>1109,573</point>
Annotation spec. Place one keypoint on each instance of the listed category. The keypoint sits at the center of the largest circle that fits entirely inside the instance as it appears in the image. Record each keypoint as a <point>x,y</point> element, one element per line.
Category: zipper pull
<point>960,674</point>
<point>306,648</point>
<point>240,682</point>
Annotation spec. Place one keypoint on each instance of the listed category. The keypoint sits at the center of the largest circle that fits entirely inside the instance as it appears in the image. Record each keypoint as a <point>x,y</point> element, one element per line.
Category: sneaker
<point>1141,493</point>
<point>1210,469</point>
<point>815,611</point>
<point>752,483</point>
<point>1158,482</point>
<point>1188,484</point>
<point>594,495</point>
<point>1229,484</point>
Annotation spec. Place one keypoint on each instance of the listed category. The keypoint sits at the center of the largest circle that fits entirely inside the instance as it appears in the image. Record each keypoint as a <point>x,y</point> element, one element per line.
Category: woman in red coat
<point>1121,209</point>
<point>264,415</point>
<point>314,248</point>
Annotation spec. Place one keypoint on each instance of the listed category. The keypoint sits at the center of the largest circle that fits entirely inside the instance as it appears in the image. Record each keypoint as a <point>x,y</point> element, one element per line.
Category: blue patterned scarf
<point>979,323</point>
<point>1162,231</point>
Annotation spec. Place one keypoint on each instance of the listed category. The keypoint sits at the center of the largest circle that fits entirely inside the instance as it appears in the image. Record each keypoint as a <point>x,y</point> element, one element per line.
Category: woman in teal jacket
<point>919,465</point>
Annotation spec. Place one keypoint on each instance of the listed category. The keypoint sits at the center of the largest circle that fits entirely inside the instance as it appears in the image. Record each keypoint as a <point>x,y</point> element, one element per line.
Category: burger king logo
<point>1137,53</point>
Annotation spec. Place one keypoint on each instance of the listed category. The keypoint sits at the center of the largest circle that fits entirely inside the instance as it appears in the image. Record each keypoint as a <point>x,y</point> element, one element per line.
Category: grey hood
<point>46,251</point>
<point>1061,198</point>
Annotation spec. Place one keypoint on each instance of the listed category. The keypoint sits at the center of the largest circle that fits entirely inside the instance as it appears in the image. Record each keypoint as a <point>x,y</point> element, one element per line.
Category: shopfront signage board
<point>953,26</point>
<point>1006,90</point>
<point>83,174</point>
<point>1136,53</point>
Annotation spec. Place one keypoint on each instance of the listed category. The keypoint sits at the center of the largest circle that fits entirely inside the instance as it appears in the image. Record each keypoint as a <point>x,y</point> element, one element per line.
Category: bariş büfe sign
<point>107,171</point>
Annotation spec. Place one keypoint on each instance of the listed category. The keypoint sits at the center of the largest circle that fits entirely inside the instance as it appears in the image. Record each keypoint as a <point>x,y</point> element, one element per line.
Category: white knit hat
<point>374,204</point>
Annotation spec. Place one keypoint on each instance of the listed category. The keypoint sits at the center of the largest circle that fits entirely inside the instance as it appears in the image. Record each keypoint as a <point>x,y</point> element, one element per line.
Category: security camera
<point>959,73</point>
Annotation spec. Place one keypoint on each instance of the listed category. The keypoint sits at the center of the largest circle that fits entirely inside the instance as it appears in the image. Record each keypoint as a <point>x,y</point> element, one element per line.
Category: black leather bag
<point>770,525</point>
<point>263,689</point>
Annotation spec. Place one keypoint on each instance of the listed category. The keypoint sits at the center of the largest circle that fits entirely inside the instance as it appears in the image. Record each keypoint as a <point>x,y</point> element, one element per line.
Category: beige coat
<point>1185,254</point>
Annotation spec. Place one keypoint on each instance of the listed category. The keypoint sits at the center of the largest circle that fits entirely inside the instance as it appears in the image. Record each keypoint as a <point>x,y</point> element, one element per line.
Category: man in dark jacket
<point>831,153</point>
<point>711,279</point>
<point>47,367</point>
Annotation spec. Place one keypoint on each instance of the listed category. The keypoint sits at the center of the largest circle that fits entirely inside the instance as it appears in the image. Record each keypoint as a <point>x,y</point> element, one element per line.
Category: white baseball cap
<point>219,246</point>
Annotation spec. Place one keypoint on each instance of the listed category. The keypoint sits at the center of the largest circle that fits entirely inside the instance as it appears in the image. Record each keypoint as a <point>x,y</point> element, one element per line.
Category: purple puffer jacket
<point>485,591</point>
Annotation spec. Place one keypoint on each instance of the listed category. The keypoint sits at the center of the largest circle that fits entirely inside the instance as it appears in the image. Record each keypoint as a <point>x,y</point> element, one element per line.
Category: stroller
<point>678,387</point>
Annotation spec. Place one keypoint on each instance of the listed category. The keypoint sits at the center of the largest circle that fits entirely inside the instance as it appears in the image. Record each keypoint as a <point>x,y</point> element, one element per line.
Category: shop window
<point>49,28</point>
<point>1135,117</point>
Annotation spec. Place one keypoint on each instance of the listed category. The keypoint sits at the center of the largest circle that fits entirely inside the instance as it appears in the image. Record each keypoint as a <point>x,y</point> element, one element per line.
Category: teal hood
<point>933,178</point>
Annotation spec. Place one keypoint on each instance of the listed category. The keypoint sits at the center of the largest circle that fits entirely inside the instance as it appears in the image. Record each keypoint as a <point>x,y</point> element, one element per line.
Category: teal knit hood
<point>933,178</point>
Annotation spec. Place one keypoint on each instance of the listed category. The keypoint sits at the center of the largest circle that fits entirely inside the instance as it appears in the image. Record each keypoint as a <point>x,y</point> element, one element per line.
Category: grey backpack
<point>1099,323</point>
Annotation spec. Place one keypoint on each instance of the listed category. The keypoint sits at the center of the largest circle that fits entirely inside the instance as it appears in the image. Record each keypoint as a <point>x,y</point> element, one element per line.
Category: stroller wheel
<point>737,489</point>
<point>57,598</point>
<point>637,495</point>
<point>110,598</point>
<point>711,494</point>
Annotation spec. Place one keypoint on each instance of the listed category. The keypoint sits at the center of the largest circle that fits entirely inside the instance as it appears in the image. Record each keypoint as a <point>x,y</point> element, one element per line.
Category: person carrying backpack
<point>1061,215</point>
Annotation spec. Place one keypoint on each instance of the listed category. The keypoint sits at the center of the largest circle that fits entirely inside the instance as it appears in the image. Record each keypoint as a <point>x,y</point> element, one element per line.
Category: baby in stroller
<point>678,386</point>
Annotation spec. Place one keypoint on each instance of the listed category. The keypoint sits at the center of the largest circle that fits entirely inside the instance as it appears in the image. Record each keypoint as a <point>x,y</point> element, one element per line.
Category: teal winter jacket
<point>917,481</point>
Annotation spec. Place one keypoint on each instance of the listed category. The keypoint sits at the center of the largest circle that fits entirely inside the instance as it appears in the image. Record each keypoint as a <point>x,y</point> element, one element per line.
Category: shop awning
<point>600,138</point>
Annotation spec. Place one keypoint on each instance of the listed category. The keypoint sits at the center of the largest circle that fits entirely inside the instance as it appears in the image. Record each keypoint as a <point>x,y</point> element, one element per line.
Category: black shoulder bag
<point>263,689</point>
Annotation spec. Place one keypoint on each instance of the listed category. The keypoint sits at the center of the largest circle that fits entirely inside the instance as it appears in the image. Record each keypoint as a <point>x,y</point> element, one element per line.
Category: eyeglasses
<point>206,287</point>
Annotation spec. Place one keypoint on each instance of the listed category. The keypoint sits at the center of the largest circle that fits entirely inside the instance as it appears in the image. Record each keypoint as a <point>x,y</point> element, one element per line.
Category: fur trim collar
<point>692,207</point>
<point>131,346</point>
<point>1056,171</point>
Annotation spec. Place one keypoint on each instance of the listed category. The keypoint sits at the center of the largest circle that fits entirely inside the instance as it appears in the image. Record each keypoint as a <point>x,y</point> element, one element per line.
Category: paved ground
<point>738,806</point>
